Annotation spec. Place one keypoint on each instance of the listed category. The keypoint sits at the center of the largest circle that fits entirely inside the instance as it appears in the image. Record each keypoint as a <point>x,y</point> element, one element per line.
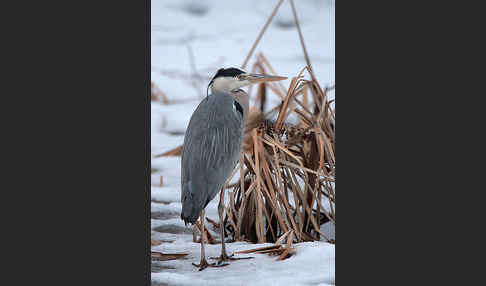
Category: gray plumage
<point>212,146</point>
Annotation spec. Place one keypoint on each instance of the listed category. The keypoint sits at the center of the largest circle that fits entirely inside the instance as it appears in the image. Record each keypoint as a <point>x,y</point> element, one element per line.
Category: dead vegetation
<point>287,171</point>
<point>158,94</point>
<point>177,151</point>
<point>159,256</point>
<point>283,251</point>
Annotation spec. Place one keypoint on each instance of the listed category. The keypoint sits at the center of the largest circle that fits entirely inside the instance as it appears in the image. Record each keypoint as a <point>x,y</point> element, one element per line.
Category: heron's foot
<point>204,264</point>
<point>224,257</point>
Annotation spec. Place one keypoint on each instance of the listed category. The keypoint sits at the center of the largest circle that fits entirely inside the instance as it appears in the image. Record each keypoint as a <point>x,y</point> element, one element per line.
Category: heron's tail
<point>190,208</point>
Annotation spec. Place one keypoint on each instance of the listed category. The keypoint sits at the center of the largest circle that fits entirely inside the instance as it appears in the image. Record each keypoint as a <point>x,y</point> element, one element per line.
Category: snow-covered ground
<point>220,34</point>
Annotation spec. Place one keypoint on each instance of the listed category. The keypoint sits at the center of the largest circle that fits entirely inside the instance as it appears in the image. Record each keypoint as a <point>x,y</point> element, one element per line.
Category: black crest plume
<point>229,72</point>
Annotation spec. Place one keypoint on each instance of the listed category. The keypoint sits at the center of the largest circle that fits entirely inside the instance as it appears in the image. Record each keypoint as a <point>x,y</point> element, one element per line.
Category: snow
<point>313,264</point>
<point>220,34</point>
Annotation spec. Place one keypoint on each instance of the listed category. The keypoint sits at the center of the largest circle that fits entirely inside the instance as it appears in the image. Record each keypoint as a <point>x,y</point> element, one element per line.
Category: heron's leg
<point>203,253</point>
<point>224,256</point>
<point>204,263</point>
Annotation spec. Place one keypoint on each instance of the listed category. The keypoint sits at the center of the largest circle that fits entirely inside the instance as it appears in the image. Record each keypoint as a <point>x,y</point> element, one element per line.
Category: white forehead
<point>226,84</point>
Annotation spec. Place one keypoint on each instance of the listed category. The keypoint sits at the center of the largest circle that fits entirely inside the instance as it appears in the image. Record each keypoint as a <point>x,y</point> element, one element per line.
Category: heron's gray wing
<point>212,145</point>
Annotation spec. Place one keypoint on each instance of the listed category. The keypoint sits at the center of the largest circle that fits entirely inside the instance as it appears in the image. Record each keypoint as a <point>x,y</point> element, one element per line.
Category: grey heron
<point>212,147</point>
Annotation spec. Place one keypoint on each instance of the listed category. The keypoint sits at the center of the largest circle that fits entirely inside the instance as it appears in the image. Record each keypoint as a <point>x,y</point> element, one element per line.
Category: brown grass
<point>287,168</point>
<point>177,151</point>
<point>167,256</point>
<point>158,94</point>
<point>278,249</point>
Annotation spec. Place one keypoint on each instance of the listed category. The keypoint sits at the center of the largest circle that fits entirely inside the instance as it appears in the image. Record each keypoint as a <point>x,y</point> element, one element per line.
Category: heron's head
<point>229,79</point>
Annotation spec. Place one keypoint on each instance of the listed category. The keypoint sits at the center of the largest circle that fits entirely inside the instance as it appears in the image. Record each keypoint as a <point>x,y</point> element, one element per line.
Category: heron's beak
<point>255,78</point>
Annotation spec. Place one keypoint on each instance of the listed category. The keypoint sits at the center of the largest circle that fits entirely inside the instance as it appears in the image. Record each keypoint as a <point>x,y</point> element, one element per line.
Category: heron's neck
<point>242,98</point>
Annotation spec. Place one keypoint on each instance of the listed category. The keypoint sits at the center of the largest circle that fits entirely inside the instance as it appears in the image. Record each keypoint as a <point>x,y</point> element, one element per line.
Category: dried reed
<point>158,94</point>
<point>288,170</point>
